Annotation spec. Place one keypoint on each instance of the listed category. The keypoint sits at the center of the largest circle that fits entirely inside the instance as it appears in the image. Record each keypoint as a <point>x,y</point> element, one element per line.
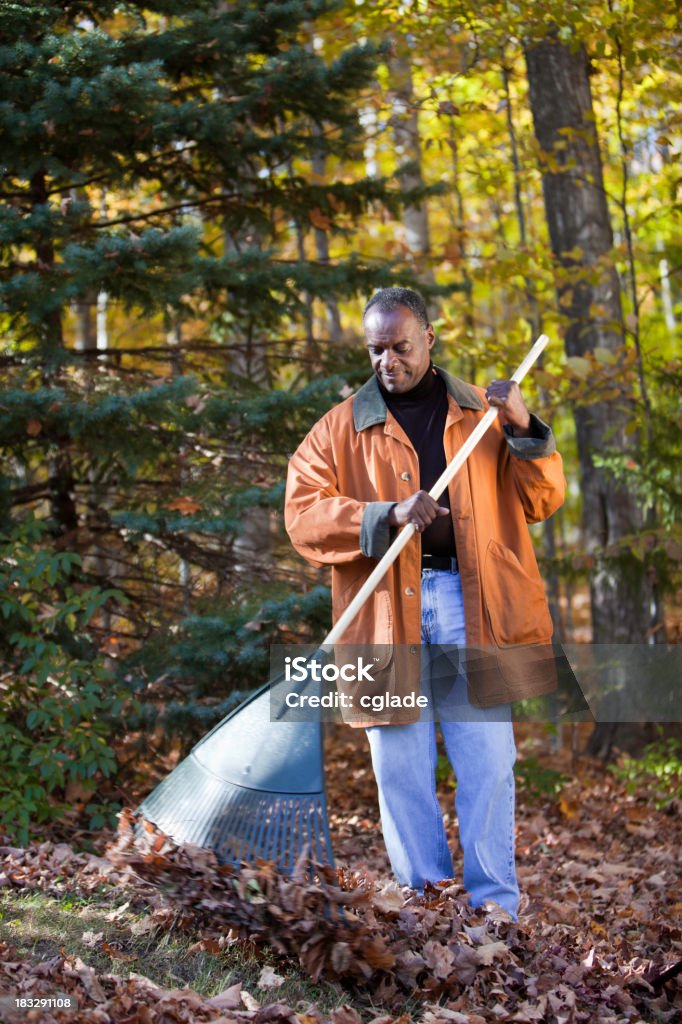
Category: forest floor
<point>144,932</point>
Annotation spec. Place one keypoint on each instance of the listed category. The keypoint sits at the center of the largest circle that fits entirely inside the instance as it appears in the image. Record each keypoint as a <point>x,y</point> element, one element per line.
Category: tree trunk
<point>51,332</point>
<point>534,320</point>
<point>405,124</point>
<point>459,224</point>
<point>589,298</point>
<point>61,480</point>
<point>322,249</point>
<point>407,144</point>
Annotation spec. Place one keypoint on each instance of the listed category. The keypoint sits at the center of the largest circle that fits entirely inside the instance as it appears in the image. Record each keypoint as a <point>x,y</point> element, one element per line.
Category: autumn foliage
<point>597,937</point>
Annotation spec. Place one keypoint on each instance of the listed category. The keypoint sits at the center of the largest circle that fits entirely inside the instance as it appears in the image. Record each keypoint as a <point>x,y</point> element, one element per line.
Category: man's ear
<point>430,335</point>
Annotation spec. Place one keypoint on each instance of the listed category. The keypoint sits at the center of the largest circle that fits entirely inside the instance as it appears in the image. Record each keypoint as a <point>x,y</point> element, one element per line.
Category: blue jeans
<point>480,747</point>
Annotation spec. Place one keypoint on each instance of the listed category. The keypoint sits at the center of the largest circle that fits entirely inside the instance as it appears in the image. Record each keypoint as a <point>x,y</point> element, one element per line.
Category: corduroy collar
<point>369,407</point>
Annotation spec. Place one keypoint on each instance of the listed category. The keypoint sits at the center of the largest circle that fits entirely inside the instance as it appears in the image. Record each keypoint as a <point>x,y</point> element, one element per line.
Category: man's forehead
<point>385,322</point>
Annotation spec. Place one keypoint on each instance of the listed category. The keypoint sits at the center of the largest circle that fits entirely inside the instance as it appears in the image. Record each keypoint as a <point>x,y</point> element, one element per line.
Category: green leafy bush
<point>58,702</point>
<point>536,782</point>
<point>658,769</point>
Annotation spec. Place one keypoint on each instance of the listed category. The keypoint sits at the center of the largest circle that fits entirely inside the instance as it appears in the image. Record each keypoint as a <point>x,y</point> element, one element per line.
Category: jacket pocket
<point>516,602</point>
<point>372,628</point>
<point>384,627</point>
<point>345,586</point>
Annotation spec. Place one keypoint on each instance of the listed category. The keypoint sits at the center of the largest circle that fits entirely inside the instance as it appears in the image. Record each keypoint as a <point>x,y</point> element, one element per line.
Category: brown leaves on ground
<point>106,998</point>
<point>597,940</point>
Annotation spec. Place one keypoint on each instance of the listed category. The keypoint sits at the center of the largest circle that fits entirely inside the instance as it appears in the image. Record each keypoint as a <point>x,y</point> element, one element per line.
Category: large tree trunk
<point>404,121</point>
<point>405,124</point>
<point>534,318</point>
<point>589,297</point>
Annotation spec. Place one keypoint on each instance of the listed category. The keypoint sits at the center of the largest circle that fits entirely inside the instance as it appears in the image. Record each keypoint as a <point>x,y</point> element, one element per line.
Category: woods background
<point>197,200</point>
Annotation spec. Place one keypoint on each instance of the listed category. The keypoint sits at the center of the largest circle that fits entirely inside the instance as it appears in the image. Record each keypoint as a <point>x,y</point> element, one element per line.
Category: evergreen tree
<point>155,156</point>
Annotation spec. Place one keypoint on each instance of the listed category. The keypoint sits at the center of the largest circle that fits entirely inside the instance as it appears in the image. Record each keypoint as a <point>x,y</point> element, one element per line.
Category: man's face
<point>399,347</point>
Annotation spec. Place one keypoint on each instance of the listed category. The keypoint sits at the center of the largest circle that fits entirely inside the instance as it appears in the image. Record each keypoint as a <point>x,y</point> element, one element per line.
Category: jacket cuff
<point>538,446</point>
<point>375,532</point>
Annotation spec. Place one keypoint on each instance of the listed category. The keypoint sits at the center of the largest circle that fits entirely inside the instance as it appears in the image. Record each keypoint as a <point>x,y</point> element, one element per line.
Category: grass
<point>38,927</point>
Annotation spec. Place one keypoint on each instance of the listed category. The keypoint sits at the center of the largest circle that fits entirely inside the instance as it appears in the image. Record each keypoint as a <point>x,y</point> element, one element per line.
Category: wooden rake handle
<point>403,538</point>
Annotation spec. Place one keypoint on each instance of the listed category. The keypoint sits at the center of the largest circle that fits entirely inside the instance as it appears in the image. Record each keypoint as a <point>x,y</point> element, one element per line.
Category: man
<point>468,577</point>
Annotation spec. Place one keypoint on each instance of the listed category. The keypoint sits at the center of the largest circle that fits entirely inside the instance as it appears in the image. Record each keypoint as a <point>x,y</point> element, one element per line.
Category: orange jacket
<point>357,461</point>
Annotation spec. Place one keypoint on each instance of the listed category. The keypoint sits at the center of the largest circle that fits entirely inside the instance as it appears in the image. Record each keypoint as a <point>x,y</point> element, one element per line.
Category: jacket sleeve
<point>537,469</point>
<point>324,526</point>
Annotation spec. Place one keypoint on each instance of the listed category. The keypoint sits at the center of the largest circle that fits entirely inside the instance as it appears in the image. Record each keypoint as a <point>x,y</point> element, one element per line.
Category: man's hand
<point>506,395</point>
<point>419,508</point>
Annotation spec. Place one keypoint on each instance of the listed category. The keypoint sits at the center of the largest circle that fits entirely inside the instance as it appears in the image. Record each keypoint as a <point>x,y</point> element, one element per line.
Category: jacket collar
<point>369,407</point>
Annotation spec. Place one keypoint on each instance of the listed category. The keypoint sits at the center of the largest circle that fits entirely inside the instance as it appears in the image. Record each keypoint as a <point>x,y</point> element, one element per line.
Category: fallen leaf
<point>346,1015</point>
<point>229,999</point>
<point>249,1001</point>
<point>439,958</point>
<point>143,926</point>
<point>118,954</point>
<point>444,1015</point>
<point>389,899</point>
<point>89,980</point>
<point>118,913</point>
<point>207,945</point>
<point>491,951</point>
<point>268,978</point>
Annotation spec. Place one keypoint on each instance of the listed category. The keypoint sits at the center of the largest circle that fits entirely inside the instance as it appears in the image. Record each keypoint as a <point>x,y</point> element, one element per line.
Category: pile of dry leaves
<point>598,937</point>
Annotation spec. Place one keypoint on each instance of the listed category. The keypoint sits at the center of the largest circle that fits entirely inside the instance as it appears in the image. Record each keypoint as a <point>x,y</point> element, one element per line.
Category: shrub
<point>58,701</point>
<point>658,770</point>
<point>536,782</point>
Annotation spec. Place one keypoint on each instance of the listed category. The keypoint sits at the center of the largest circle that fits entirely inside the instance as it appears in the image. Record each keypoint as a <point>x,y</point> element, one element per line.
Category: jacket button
<point>409,591</point>
<point>405,476</point>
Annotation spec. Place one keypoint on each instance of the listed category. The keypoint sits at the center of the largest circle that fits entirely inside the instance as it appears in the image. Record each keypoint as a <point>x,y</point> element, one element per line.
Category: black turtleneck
<point>422,412</point>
